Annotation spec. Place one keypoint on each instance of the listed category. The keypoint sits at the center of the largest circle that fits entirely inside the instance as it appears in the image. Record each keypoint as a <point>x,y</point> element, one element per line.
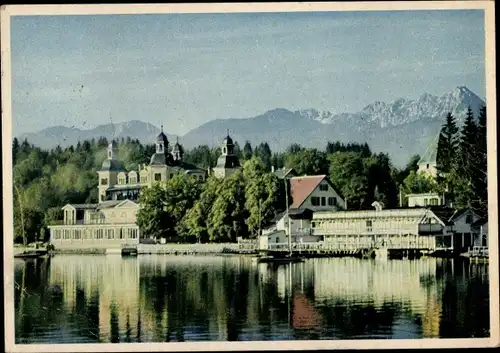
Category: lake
<point>107,298</point>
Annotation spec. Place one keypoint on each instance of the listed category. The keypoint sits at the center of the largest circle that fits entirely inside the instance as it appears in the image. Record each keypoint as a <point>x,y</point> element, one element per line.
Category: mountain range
<point>401,128</point>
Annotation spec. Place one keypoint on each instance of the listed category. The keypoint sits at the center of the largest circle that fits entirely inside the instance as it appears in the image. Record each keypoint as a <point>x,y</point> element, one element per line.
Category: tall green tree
<point>196,219</point>
<point>465,163</point>
<point>348,174</point>
<point>226,219</point>
<point>263,151</point>
<point>261,194</point>
<point>308,161</point>
<point>480,180</point>
<point>448,145</point>
<point>247,150</point>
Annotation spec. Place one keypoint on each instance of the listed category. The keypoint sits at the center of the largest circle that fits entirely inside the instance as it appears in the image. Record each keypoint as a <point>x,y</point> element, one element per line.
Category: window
<point>315,201</point>
<point>323,201</point>
<point>144,179</point>
<point>434,202</point>
<point>224,151</point>
<point>369,225</point>
<point>332,201</point>
<point>121,180</point>
<point>426,201</point>
<point>157,176</point>
<point>277,240</point>
<point>427,166</point>
<point>323,187</point>
<point>104,181</point>
<point>109,154</point>
<point>468,219</point>
<point>102,197</point>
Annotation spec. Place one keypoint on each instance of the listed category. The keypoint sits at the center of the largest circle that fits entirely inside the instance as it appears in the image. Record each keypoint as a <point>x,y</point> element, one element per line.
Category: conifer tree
<point>447,148</point>
<point>465,164</point>
<point>479,184</point>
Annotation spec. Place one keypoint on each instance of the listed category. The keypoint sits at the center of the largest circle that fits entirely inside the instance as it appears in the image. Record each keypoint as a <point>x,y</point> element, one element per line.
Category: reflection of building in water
<point>114,279</point>
<point>375,281</point>
<point>410,283</point>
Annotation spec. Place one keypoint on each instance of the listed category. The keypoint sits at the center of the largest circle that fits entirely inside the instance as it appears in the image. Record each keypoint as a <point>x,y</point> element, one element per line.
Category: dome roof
<point>228,140</point>
<point>112,165</point>
<point>161,136</point>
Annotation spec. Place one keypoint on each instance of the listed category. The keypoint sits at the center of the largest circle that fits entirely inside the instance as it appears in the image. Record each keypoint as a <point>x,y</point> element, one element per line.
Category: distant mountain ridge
<point>401,128</point>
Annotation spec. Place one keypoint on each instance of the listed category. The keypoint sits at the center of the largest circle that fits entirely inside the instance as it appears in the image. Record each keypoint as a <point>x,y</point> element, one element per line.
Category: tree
<point>152,219</point>
<point>195,220</point>
<point>480,179</point>
<point>15,150</point>
<point>247,151</point>
<point>263,151</point>
<point>347,173</point>
<point>465,164</point>
<point>448,144</point>
<point>308,161</point>
<point>419,183</point>
<point>226,219</point>
<point>261,194</point>
<point>164,204</point>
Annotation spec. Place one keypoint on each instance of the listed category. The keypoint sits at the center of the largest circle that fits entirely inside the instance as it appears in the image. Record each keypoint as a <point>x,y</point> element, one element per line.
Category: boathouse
<point>405,228</point>
<point>105,225</point>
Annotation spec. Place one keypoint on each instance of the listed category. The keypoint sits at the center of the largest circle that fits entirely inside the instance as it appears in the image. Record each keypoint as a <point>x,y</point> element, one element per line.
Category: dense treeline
<point>45,180</point>
<point>462,162</point>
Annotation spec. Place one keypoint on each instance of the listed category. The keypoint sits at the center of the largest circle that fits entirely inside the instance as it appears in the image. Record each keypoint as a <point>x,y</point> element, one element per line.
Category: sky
<point>182,70</point>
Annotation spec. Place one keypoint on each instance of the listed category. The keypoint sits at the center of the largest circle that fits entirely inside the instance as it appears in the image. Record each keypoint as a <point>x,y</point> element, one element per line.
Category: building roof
<point>301,187</point>
<point>112,165</point>
<point>83,206</point>
<point>445,214</point>
<point>228,161</point>
<point>295,213</point>
<point>125,187</point>
<point>228,140</point>
<point>480,222</point>
<point>430,153</point>
<point>284,172</point>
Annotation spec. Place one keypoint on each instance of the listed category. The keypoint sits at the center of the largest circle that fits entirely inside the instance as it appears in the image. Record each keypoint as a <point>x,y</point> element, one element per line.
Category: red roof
<point>302,187</point>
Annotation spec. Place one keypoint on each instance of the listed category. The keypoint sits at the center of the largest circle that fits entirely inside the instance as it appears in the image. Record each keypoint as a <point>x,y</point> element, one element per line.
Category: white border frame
<point>14,10</point>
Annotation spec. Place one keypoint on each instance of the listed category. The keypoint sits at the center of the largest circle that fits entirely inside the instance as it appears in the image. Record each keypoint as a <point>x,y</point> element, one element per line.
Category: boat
<point>280,260</point>
<point>33,254</point>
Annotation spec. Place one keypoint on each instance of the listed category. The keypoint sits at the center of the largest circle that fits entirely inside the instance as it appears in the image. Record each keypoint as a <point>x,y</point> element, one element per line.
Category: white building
<point>105,225</point>
<point>315,192</point>
<point>428,162</point>
<point>425,199</point>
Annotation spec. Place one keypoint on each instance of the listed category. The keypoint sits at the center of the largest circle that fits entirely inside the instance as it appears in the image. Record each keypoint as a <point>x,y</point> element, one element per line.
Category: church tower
<point>161,160</point>
<point>108,174</point>
<point>177,152</point>
<point>228,162</point>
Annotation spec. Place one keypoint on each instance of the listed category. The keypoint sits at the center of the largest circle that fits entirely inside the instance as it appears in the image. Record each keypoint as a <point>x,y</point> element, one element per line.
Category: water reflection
<point>75,298</point>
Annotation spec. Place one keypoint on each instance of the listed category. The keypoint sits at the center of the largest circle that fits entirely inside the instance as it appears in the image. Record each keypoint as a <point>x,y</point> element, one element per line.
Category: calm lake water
<point>98,298</point>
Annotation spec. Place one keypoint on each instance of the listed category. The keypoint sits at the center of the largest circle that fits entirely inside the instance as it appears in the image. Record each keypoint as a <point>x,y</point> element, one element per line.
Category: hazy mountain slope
<point>65,136</point>
<point>401,128</point>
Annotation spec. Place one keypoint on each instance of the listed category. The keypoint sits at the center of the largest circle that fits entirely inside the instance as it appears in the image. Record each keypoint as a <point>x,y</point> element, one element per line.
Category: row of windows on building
<point>403,222</point>
<point>99,234</point>
<point>132,179</point>
<point>322,201</point>
<point>431,202</point>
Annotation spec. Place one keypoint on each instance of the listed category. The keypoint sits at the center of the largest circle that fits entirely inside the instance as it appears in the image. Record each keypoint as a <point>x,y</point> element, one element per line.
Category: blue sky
<point>185,69</point>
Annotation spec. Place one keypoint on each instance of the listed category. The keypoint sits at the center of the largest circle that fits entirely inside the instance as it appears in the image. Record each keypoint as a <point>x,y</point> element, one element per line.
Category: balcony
<point>430,229</point>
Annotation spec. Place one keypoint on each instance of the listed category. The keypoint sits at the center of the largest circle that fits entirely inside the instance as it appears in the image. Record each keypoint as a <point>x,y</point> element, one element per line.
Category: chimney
<point>272,169</point>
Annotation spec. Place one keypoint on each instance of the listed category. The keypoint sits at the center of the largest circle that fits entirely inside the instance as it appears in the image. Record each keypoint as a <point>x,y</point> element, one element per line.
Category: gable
<point>68,207</point>
<point>127,204</point>
<point>302,187</point>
